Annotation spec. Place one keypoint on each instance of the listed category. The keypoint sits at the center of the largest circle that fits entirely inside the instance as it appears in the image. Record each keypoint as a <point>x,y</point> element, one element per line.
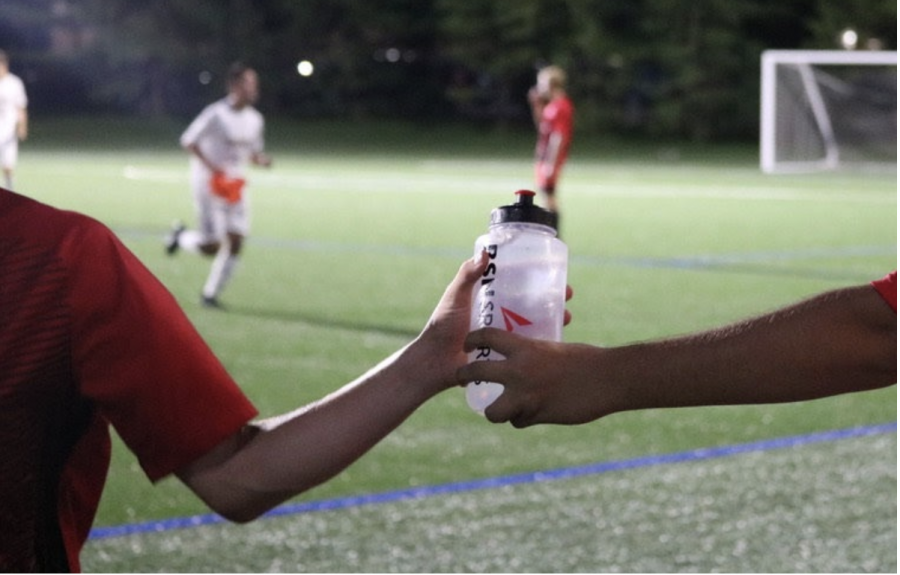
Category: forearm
<point>22,125</point>
<point>292,453</point>
<point>537,104</point>
<point>551,156</point>
<point>252,472</point>
<point>834,343</point>
<point>837,342</point>
<point>194,150</point>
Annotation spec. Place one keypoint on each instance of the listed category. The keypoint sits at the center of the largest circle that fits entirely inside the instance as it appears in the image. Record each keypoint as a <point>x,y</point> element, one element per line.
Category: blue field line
<point>506,480</point>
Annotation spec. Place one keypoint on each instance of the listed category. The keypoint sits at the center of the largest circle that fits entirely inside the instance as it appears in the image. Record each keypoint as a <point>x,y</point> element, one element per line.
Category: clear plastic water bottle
<point>523,289</point>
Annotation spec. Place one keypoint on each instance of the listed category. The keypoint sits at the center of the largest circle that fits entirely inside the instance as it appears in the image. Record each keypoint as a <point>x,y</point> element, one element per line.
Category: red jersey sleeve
<point>140,360</point>
<point>887,287</point>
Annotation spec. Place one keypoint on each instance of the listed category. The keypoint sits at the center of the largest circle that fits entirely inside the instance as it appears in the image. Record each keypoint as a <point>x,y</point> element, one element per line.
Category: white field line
<point>428,183</point>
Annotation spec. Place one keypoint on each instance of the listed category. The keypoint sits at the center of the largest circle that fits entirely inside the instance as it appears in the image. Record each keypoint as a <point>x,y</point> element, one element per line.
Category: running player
<point>222,141</point>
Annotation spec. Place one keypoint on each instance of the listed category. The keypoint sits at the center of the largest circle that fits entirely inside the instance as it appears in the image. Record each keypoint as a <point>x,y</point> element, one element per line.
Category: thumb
<point>458,294</point>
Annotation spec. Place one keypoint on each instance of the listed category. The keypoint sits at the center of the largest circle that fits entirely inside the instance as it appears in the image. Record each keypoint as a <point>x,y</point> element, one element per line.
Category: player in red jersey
<point>840,341</point>
<point>552,112</point>
<point>89,338</point>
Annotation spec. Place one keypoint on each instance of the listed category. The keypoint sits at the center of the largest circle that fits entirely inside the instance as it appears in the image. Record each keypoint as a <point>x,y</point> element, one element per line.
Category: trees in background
<point>663,68</point>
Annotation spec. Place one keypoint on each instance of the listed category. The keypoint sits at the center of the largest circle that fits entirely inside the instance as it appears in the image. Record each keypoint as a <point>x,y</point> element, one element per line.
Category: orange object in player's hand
<point>229,189</point>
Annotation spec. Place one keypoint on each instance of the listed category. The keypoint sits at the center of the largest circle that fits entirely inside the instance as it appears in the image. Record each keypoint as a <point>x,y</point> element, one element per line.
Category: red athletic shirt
<point>887,287</point>
<point>89,338</point>
<point>556,118</point>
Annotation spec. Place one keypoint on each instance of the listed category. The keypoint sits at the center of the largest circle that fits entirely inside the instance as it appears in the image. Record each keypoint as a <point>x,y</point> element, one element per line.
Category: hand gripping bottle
<point>523,289</point>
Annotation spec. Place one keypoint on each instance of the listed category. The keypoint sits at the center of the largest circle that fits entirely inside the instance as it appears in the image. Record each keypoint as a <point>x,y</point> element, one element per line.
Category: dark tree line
<point>670,68</point>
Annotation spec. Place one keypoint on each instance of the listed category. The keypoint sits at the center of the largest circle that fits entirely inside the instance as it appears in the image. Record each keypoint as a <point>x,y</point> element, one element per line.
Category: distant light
<point>392,55</point>
<point>305,68</point>
<point>849,39</point>
<point>205,77</point>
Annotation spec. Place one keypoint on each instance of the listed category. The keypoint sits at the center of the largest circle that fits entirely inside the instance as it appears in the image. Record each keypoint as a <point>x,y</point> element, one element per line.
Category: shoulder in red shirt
<point>89,337</point>
<point>887,287</point>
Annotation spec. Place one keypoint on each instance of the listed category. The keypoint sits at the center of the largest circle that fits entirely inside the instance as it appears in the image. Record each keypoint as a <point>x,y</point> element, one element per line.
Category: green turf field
<point>357,230</point>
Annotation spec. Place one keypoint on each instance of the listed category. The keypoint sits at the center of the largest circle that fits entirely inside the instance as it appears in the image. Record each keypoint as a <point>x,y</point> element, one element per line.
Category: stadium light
<point>305,68</point>
<point>849,39</point>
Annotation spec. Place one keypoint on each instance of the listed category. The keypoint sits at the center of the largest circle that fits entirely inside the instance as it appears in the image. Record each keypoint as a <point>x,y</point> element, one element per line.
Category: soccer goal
<point>827,110</point>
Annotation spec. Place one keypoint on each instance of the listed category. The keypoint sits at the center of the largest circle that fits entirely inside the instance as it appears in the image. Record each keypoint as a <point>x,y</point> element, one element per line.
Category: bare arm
<point>22,124</point>
<point>252,472</point>
<point>195,150</point>
<point>551,156</point>
<point>261,159</point>
<point>837,342</point>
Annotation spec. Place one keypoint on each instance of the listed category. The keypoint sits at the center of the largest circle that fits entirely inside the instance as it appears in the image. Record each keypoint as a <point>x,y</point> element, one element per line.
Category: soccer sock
<point>222,270</point>
<point>9,181</point>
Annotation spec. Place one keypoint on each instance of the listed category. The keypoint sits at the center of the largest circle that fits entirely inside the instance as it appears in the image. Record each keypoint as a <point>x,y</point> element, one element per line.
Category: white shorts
<point>9,153</point>
<point>216,217</point>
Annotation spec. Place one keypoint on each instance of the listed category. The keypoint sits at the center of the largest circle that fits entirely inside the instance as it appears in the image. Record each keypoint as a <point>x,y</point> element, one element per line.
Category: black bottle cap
<point>524,211</point>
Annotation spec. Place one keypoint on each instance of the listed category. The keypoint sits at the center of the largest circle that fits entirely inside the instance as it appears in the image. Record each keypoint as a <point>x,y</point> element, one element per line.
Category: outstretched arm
<point>837,342</point>
<point>261,467</point>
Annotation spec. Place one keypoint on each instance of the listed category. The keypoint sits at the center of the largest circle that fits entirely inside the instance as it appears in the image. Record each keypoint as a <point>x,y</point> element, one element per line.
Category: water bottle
<point>523,288</point>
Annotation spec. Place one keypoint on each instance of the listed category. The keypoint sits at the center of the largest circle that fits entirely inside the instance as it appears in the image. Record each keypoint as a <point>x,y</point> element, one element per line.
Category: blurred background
<point>647,68</point>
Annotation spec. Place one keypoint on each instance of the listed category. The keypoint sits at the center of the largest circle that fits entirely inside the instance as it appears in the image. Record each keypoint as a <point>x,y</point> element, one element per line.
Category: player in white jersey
<point>223,140</point>
<point>13,118</point>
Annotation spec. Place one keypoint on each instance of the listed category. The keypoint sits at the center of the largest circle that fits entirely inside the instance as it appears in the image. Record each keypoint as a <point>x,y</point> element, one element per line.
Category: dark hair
<point>235,73</point>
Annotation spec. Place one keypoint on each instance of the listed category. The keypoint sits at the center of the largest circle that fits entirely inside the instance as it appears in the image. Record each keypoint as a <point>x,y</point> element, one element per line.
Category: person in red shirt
<point>837,342</point>
<point>89,339</point>
<point>552,112</point>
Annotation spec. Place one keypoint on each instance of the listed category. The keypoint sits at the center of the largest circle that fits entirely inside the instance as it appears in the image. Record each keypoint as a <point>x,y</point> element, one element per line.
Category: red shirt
<point>89,337</point>
<point>887,287</point>
<point>556,118</point>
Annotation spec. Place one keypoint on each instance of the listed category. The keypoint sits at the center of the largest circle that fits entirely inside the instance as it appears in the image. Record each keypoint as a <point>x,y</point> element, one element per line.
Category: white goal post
<point>826,109</point>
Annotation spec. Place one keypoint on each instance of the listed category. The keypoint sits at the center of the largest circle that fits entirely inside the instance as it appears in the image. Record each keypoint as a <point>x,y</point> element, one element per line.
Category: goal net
<point>827,110</point>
